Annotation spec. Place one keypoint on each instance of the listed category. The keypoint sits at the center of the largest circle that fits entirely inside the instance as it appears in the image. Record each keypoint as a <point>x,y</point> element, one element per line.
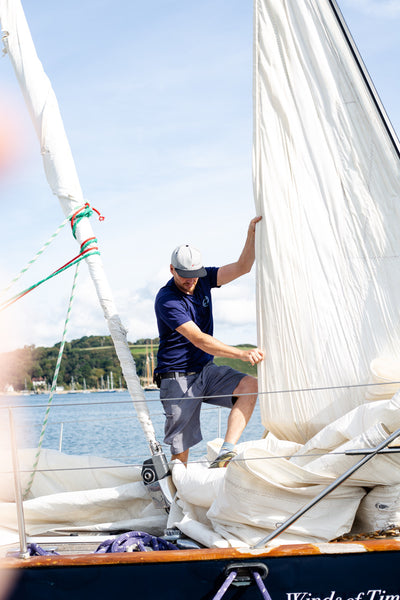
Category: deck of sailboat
<point>80,548</point>
<point>81,552</point>
<point>364,569</point>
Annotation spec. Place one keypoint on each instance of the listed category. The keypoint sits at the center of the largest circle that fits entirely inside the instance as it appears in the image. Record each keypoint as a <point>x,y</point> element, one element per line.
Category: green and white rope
<point>34,259</point>
<point>88,250</point>
<point>53,385</point>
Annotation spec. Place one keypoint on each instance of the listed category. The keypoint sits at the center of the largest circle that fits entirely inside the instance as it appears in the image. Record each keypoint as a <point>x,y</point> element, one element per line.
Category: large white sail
<point>327,182</point>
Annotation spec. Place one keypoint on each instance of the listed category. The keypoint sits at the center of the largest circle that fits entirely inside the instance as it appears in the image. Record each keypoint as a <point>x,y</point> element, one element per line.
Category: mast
<point>63,179</point>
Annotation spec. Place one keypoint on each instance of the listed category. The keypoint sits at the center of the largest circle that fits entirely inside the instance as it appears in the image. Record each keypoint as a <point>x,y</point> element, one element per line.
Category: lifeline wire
<point>53,385</point>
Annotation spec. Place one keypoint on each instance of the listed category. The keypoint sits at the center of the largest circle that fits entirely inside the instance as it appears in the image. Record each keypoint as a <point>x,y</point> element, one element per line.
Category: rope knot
<point>89,244</point>
<point>85,211</point>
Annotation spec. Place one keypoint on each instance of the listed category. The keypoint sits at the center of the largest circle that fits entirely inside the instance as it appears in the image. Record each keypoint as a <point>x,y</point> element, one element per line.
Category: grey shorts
<point>213,385</point>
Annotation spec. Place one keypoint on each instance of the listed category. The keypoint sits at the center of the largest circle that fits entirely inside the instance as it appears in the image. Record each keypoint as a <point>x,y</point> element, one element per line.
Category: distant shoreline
<point>63,392</point>
<point>60,392</point>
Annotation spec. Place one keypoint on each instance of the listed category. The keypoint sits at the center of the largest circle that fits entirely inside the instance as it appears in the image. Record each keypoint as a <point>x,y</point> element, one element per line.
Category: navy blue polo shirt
<point>174,308</point>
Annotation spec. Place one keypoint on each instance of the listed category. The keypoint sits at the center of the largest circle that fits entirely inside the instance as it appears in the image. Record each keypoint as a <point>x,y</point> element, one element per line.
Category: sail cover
<point>327,183</point>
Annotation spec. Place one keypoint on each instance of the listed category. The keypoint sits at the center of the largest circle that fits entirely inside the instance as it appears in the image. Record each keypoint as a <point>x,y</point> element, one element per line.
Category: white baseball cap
<point>187,262</point>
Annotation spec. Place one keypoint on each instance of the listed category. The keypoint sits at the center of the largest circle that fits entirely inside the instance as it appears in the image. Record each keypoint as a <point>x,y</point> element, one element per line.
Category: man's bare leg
<point>246,393</point>
<point>183,456</point>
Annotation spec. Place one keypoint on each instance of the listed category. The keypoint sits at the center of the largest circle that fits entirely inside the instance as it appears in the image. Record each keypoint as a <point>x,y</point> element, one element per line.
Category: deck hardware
<point>244,572</point>
<point>155,475</point>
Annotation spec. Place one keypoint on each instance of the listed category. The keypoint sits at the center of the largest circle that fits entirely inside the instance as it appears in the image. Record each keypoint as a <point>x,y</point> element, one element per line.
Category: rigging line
<point>366,76</point>
<point>54,383</point>
<point>328,388</point>
<point>123,418</point>
<point>197,461</point>
<point>46,245</point>
<point>83,254</point>
<point>34,259</point>
<point>269,392</point>
<point>287,391</point>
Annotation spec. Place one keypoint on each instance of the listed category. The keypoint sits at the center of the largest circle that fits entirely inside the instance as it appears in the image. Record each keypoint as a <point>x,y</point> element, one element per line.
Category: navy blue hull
<point>361,576</point>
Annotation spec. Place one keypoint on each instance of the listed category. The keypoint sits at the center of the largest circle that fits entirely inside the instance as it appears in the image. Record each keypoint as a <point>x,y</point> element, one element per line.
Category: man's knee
<point>247,388</point>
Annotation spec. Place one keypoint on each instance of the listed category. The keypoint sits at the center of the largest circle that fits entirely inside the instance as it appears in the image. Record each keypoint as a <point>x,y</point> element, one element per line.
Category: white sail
<point>63,179</point>
<point>327,182</point>
<point>326,178</point>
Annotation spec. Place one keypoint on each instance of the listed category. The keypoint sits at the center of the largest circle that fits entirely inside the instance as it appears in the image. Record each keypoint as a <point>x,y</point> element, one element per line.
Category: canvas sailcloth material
<point>379,510</point>
<point>271,479</point>
<point>76,493</point>
<point>327,183</point>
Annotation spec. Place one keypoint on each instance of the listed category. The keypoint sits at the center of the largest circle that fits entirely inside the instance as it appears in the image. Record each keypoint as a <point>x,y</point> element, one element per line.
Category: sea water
<point>105,424</point>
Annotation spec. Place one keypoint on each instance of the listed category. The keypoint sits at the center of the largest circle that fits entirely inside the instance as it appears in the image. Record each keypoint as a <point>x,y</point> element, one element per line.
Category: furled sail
<point>327,182</point>
<point>63,179</point>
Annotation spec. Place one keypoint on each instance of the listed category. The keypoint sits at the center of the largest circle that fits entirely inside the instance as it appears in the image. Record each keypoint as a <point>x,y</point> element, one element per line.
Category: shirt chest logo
<point>206,302</point>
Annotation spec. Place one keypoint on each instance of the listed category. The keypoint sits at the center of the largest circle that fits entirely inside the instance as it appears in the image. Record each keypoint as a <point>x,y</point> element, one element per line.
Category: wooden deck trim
<point>125,558</point>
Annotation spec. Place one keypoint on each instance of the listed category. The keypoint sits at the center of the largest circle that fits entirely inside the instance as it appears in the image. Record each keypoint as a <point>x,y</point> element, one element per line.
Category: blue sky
<point>156,99</point>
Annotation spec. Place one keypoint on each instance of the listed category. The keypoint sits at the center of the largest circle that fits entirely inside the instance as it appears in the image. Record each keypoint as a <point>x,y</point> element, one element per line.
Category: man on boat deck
<point>185,373</point>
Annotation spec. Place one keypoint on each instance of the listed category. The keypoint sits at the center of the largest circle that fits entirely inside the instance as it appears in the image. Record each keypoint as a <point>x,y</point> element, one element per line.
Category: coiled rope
<point>131,541</point>
<point>135,541</point>
<point>36,550</point>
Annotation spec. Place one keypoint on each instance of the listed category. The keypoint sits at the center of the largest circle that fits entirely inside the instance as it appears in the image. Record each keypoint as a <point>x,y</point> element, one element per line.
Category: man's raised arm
<point>243,265</point>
